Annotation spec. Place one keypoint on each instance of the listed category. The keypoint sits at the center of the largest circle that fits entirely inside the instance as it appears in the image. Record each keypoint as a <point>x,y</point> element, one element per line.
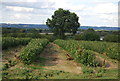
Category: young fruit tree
<point>63,21</point>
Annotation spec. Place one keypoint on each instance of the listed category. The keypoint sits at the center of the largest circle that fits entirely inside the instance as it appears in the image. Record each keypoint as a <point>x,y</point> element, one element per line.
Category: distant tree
<point>22,30</point>
<point>40,30</point>
<point>111,38</point>
<point>34,30</point>
<point>63,21</point>
<point>90,35</point>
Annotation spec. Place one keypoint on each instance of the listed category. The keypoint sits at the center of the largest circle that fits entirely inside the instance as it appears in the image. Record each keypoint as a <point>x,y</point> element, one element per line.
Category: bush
<point>8,42</point>
<point>111,38</point>
<point>89,35</point>
<point>51,38</point>
<point>77,37</point>
<point>72,46</point>
<point>109,48</point>
<point>86,57</point>
<point>34,48</point>
<point>113,52</point>
<point>81,55</point>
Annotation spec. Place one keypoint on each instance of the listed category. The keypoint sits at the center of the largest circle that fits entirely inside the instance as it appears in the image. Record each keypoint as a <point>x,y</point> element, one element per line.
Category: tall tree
<point>63,21</point>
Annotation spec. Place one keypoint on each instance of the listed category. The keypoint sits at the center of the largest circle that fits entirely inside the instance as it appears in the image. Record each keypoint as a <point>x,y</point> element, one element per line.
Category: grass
<point>21,71</point>
<point>87,70</point>
<point>41,73</point>
<point>109,74</point>
<point>0,75</point>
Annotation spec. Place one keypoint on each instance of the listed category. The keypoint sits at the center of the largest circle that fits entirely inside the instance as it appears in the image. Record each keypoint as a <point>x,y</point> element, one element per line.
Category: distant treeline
<point>34,30</point>
<point>110,36</point>
<point>23,30</point>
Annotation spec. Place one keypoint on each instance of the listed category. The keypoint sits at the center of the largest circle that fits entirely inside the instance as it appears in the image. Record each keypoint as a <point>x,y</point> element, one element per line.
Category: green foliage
<point>87,70</point>
<point>99,74</point>
<point>86,57</point>
<point>22,35</point>
<point>81,55</point>
<point>110,49</point>
<point>20,30</point>
<point>12,63</point>
<point>6,66</point>
<point>63,21</point>
<point>113,52</point>
<point>30,35</point>
<point>51,38</point>
<point>111,38</point>
<point>89,35</point>
<point>102,70</point>
<point>9,64</point>
<point>34,48</point>
<point>8,42</point>
<point>77,37</point>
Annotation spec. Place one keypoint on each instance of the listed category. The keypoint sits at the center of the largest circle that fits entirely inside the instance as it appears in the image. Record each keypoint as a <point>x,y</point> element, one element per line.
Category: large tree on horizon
<point>63,21</point>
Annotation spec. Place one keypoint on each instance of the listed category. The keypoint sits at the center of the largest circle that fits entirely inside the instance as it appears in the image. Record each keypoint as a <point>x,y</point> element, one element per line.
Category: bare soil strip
<point>10,53</point>
<point>56,60</point>
<point>106,63</point>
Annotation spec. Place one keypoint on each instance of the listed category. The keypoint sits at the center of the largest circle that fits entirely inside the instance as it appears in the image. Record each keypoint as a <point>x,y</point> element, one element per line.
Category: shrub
<point>86,57</point>
<point>113,52</point>
<point>34,48</point>
<point>72,46</point>
<point>51,38</point>
<point>89,35</point>
<point>81,55</point>
<point>109,48</point>
<point>111,38</point>
<point>8,42</point>
<point>77,37</point>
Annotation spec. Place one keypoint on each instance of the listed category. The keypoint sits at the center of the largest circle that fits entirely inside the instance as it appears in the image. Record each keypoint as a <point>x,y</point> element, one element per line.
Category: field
<point>40,58</point>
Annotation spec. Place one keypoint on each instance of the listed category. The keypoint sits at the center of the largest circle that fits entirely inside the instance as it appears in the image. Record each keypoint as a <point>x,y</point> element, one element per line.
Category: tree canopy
<point>90,35</point>
<point>63,21</point>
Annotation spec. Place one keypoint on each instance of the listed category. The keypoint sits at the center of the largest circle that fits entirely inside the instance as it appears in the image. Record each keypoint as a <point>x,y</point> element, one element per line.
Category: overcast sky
<point>90,12</point>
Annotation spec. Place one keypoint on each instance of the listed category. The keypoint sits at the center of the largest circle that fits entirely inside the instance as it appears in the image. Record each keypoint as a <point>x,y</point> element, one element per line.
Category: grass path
<point>56,60</point>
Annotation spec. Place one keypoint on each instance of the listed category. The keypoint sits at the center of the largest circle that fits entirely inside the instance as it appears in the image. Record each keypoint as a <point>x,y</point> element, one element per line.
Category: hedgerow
<point>8,42</point>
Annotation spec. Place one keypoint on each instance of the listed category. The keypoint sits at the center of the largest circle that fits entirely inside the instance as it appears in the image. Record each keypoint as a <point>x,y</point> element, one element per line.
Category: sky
<point>90,12</point>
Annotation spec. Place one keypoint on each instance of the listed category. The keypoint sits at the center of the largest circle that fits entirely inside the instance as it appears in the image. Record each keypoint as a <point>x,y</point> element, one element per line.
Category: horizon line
<point>45,24</point>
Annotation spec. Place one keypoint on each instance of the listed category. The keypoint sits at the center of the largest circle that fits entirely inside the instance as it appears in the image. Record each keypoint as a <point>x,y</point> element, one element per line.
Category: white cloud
<point>105,8</point>
<point>18,16</point>
<point>67,5</point>
<point>15,8</point>
<point>92,12</point>
<point>31,0</point>
<point>101,14</point>
<point>21,16</point>
<point>19,0</point>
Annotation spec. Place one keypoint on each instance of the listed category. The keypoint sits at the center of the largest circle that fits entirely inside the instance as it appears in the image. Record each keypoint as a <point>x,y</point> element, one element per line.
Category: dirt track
<point>56,60</point>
